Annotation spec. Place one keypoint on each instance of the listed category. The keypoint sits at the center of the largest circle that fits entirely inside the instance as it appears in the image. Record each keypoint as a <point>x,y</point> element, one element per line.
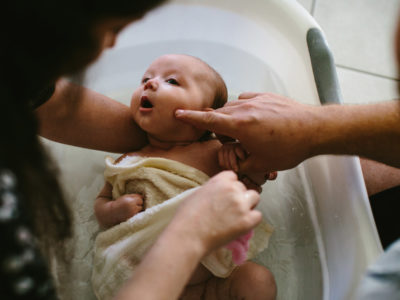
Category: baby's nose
<point>151,84</point>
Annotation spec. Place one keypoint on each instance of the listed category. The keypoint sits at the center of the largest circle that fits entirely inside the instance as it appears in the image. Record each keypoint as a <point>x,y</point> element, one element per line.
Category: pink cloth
<point>239,247</point>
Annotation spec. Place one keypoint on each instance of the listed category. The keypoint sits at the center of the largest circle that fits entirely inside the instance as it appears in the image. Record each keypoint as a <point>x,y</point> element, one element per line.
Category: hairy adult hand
<point>219,211</point>
<point>276,132</point>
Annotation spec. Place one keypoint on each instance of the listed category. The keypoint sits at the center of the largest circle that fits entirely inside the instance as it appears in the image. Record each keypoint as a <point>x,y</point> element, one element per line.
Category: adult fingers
<point>248,95</point>
<point>255,217</point>
<point>252,198</point>
<point>231,104</point>
<point>228,175</point>
<point>210,120</point>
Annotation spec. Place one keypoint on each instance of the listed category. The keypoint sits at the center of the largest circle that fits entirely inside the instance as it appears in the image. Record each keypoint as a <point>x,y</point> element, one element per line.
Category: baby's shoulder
<point>211,145</point>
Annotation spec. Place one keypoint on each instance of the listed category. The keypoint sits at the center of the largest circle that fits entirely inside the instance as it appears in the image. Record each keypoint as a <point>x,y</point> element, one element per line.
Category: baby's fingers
<point>240,152</point>
<point>233,160</point>
<point>227,159</point>
<point>221,159</point>
<point>251,185</point>
<point>272,175</point>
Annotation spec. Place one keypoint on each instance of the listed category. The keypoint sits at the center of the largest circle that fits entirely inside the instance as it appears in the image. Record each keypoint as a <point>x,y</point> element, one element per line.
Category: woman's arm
<point>78,116</point>
<point>209,218</point>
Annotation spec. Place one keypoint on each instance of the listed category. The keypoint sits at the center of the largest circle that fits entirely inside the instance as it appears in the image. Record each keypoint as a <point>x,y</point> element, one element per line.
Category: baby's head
<point>172,82</point>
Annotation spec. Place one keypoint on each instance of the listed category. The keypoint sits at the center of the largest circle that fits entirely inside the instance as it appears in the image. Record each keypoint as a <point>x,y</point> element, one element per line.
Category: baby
<point>190,156</point>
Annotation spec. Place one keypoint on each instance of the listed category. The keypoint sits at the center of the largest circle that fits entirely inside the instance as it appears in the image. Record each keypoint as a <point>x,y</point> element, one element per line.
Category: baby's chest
<point>202,156</point>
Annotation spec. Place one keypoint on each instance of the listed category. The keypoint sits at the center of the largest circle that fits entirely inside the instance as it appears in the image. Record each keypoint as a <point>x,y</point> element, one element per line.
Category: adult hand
<point>212,216</point>
<point>229,157</point>
<point>276,132</point>
<point>219,211</point>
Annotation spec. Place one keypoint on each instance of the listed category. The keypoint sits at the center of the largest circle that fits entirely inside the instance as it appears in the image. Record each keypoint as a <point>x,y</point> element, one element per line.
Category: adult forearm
<point>210,217</point>
<point>371,131</point>
<point>167,267</point>
<point>78,116</point>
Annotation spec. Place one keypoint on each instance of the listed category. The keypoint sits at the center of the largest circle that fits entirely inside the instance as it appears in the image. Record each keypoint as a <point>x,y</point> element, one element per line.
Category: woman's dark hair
<point>42,40</point>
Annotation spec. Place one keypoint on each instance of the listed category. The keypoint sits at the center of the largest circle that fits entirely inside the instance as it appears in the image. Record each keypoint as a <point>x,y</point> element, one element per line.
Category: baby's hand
<point>229,157</point>
<point>112,212</point>
<point>126,207</point>
<point>254,181</point>
<point>230,154</point>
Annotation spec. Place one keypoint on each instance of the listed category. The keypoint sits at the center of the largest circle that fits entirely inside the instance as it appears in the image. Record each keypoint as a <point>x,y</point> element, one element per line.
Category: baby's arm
<point>229,157</point>
<point>111,212</point>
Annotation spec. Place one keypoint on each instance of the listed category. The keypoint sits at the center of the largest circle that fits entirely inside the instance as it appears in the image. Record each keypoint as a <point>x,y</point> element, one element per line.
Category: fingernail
<point>179,112</point>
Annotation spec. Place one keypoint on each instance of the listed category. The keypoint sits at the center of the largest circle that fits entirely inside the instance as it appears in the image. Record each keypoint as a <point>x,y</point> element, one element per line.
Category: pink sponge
<point>239,247</point>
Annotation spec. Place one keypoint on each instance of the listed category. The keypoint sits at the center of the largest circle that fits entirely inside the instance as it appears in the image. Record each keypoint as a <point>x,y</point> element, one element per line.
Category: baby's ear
<point>208,109</point>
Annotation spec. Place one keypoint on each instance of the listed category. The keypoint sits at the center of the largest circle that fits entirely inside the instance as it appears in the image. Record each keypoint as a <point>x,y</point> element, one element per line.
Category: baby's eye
<point>172,81</point>
<point>144,80</point>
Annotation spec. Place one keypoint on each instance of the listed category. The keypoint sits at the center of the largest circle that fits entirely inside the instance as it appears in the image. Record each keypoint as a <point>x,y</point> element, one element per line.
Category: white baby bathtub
<point>324,235</point>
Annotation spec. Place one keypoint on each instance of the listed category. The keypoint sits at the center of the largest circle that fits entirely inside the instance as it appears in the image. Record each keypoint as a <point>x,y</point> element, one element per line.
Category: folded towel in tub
<point>164,184</point>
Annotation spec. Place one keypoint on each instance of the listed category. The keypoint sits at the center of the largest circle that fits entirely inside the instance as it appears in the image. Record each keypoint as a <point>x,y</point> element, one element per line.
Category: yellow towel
<point>164,184</point>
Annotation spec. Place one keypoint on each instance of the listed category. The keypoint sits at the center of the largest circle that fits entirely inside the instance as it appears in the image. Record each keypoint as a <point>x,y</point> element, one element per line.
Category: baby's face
<point>172,82</point>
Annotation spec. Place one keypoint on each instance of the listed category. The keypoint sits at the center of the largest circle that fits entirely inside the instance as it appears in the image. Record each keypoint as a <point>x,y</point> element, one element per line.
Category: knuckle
<point>254,194</point>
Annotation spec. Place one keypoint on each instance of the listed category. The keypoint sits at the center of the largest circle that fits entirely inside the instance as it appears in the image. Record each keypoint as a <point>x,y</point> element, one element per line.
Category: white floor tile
<point>360,88</point>
<point>361,33</point>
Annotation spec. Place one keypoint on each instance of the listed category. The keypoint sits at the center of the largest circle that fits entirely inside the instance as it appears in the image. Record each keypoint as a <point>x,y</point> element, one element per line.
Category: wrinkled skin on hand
<point>276,132</point>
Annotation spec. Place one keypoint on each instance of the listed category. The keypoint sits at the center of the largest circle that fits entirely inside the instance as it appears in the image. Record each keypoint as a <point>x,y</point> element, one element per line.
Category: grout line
<point>313,5</point>
<point>367,72</point>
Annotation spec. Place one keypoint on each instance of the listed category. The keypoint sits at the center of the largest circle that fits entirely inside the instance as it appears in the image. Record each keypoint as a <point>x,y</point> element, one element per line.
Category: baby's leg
<point>252,281</point>
<point>197,284</point>
<point>248,281</point>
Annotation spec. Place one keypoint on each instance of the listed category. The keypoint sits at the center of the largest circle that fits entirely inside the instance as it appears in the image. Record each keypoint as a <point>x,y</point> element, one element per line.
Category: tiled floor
<point>361,36</point>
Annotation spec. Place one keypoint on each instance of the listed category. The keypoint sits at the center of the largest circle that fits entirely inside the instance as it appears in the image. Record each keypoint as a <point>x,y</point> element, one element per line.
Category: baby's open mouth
<point>145,102</point>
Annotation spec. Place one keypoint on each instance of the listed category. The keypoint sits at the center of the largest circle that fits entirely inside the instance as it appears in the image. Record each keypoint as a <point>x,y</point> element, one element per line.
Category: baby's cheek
<point>134,107</point>
<point>135,99</point>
